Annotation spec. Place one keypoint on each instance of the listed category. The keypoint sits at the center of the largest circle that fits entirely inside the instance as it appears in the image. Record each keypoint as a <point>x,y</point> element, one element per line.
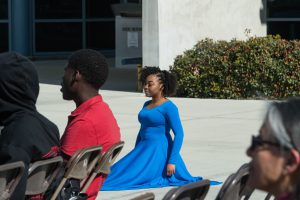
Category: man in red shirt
<point>92,122</point>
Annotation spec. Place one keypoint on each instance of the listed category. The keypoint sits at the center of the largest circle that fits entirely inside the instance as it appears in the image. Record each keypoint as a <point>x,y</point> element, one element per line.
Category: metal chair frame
<point>79,166</point>
<point>10,175</point>
<point>191,191</point>
<point>41,174</point>
<point>103,166</point>
<point>235,186</point>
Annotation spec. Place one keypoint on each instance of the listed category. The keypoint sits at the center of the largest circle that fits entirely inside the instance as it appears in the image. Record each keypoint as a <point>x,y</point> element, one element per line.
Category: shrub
<point>259,67</point>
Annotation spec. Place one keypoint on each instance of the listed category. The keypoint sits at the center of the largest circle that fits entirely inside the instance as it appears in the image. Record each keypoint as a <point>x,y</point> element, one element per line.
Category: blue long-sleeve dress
<point>145,166</point>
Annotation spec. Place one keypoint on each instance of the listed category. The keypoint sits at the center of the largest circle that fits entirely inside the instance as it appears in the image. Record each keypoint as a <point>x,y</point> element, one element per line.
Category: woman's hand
<point>170,169</point>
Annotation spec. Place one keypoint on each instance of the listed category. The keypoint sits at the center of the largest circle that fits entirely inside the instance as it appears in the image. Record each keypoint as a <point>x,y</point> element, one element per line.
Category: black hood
<point>19,85</point>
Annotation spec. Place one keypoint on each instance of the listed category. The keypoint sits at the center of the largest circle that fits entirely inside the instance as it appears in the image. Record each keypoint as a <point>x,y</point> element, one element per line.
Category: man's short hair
<point>91,64</point>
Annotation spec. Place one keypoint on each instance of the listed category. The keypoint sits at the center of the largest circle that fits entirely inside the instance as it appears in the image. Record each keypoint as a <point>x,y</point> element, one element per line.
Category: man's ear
<point>293,161</point>
<point>75,77</point>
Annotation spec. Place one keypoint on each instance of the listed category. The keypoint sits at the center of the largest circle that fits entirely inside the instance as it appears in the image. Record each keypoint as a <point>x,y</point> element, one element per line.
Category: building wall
<point>181,23</point>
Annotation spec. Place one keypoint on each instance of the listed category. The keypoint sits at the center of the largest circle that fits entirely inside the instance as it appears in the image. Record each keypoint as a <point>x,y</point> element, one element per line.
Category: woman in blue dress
<point>155,160</point>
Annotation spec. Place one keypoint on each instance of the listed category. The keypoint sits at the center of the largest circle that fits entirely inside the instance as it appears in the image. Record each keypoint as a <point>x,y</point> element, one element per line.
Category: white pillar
<point>150,33</point>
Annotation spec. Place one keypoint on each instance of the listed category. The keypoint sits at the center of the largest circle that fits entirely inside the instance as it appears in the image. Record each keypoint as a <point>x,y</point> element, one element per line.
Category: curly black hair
<point>168,79</point>
<point>91,64</point>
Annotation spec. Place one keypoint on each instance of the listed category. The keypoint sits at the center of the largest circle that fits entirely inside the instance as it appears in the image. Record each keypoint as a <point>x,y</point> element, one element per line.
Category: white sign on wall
<point>132,39</point>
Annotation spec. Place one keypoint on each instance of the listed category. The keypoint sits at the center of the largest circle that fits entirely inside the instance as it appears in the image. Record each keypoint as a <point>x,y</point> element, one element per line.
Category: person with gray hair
<point>275,152</point>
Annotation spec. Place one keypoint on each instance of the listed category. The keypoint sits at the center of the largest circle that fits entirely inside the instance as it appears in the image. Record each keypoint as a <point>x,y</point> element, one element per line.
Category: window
<point>3,37</point>
<point>283,18</point>
<point>3,9</point>
<point>134,1</point>
<point>100,35</point>
<point>58,9</point>
<point>58,37</point>
<point>68,25</point>
<point>98,9</point>
<point>284,9</point>
<point>287,30</point>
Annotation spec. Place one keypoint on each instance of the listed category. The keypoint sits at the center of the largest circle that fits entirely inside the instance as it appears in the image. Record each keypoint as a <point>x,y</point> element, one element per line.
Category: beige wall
<point>177,25</point>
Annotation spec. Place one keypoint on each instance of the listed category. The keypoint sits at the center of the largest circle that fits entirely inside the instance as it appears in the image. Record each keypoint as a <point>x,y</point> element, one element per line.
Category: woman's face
<point>152,86</point>
<point>268,162</point>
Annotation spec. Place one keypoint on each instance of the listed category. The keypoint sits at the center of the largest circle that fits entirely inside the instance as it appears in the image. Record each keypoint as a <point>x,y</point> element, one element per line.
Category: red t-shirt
<point>92,123</point>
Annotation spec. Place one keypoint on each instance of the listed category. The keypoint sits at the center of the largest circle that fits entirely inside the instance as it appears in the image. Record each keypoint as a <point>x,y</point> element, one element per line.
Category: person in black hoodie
<point>27,135</point>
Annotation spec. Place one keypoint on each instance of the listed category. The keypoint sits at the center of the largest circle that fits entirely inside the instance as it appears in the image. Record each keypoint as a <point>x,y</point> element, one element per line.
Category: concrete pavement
<point>217,132</point>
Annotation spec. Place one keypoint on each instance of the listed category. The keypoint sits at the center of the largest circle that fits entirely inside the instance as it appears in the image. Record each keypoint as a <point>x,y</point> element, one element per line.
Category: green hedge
<point>267,67</point>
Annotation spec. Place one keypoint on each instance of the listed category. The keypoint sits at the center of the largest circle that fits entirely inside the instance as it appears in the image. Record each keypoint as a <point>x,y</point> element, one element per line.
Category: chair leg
<point>58,189</point>
<point>88,182</point>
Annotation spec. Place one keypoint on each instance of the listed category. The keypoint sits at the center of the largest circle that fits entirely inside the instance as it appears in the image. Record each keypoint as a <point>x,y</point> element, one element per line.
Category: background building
<point>55,28</point>
<point>173,26</point>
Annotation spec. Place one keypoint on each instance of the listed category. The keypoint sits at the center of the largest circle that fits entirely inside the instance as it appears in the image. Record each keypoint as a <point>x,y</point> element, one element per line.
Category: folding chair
<point>10,175</point>
<point>235,186</point>
<point>41,174</point>
<point>103,166</point>
<point>146,196</point>
<point>79,166</point>
<point>269,197</point>
<point>191,191</point>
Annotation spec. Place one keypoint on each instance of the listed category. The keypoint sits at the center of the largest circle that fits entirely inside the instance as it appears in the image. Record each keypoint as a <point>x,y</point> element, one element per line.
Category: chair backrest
<point>109,158</point>
<point>10,175</point>
<point>80,166</point>
<point>235,186</point>
<point>191,191</point>
<point>146,196</point>
<point>41,174</point>
<point>82,163</point>
<point>104,163</point>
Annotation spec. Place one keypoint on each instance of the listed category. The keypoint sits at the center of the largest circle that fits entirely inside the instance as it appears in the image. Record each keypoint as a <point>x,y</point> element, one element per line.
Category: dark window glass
<point>284,8</point>
<point>99,8</point>
<point>58,9</point>
<point>133,1</point>
<point>287,30</point>
<point>58,36</point>
<point>3,9</point>
<point>3,37</point>
<point>100,35</point>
